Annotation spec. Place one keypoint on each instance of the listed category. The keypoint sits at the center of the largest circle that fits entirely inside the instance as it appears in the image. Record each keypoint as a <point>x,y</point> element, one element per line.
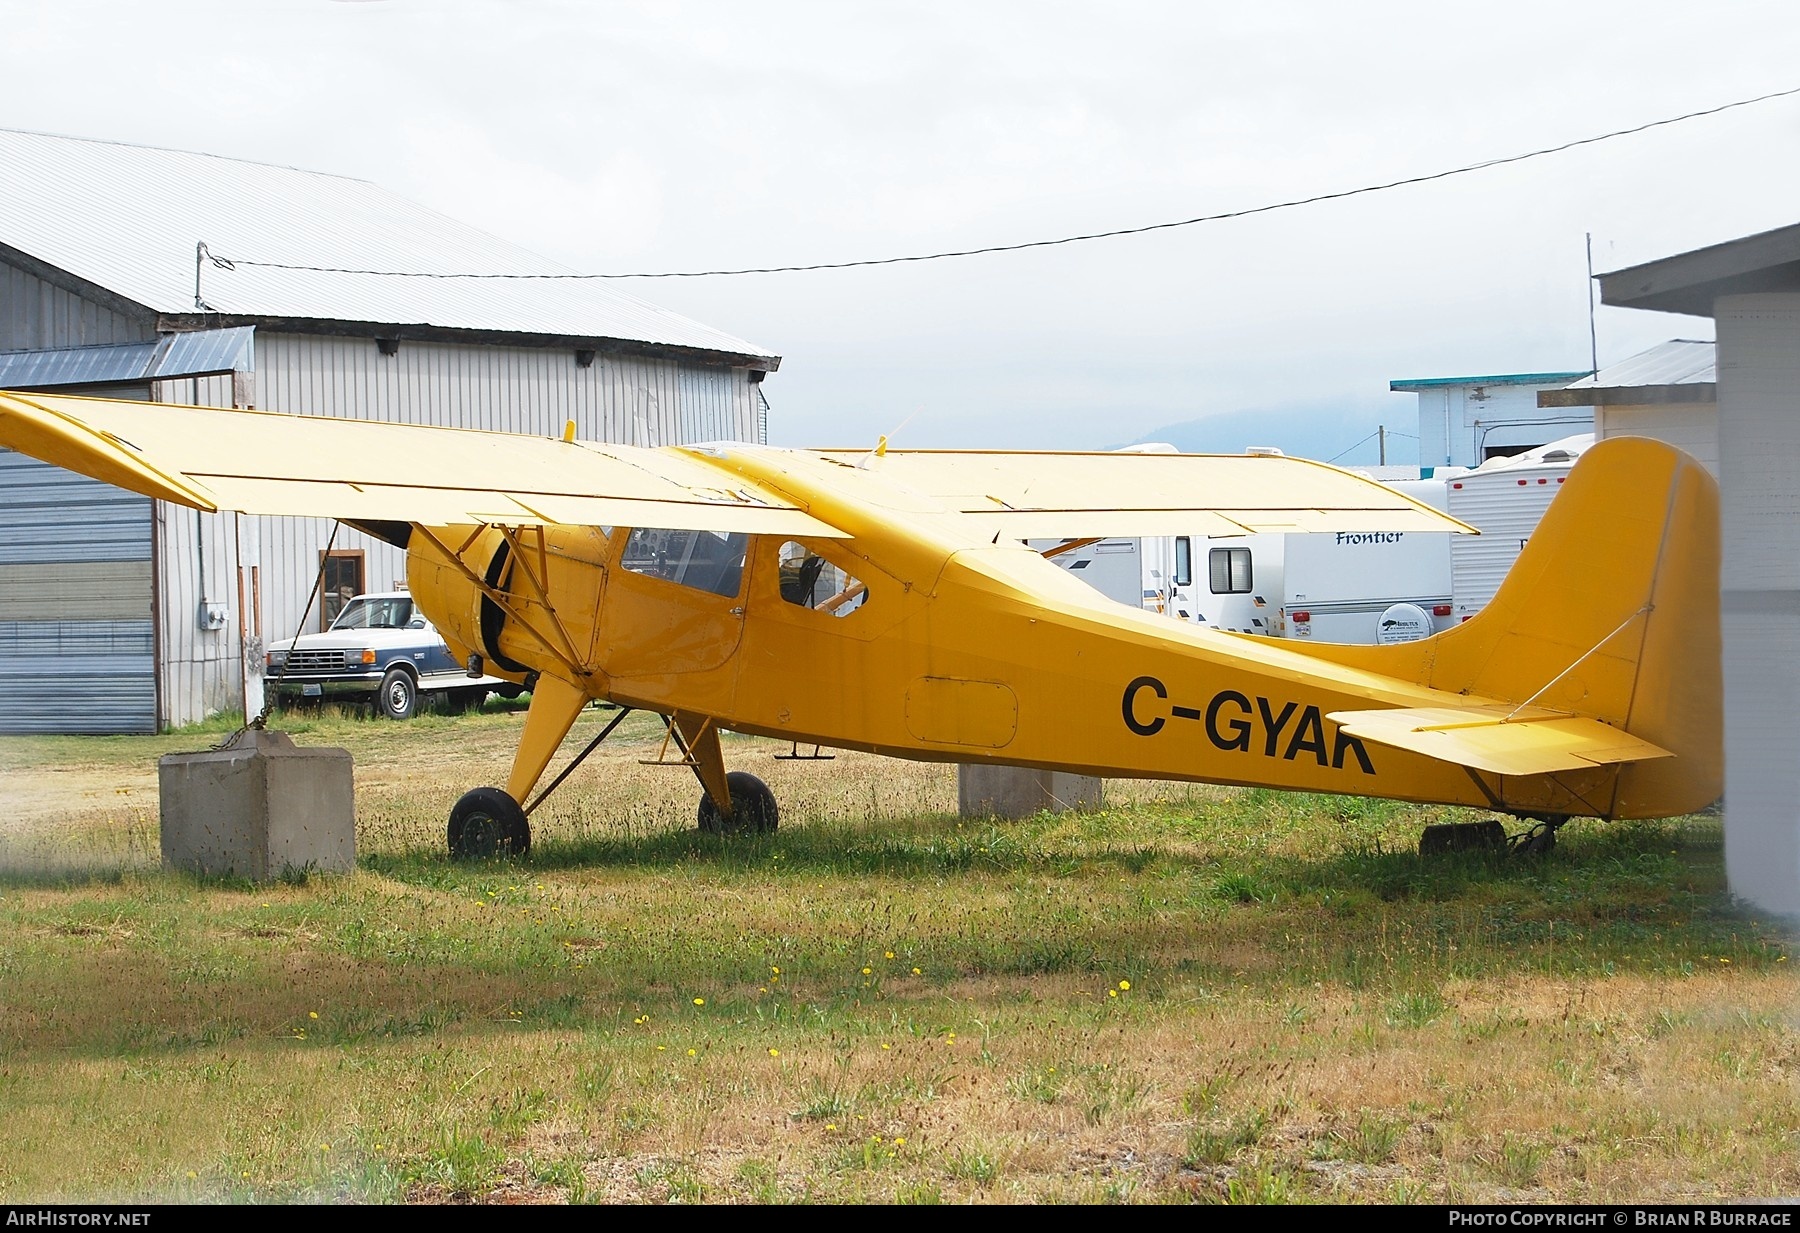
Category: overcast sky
<point>680,136</point>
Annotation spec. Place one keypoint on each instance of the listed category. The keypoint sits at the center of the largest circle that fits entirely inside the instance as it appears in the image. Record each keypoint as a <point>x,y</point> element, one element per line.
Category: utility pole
<point>1382,444</point>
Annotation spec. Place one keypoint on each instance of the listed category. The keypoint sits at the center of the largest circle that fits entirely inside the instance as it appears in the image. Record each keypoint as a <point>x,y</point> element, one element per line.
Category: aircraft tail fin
<point>1602,642</point>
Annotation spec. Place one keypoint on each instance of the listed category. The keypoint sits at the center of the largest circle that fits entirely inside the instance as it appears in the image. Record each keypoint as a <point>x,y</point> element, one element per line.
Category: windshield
<point>392,612</point>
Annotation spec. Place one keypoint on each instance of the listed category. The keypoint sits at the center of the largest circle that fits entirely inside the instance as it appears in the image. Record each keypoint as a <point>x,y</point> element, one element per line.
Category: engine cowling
<point>474,623</point>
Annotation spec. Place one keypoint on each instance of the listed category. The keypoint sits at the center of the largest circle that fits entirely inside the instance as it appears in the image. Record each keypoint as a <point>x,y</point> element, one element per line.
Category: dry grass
<point>1200,994</point>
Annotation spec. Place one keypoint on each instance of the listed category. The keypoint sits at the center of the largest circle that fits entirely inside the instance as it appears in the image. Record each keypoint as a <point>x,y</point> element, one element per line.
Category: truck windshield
<point>390,613</point>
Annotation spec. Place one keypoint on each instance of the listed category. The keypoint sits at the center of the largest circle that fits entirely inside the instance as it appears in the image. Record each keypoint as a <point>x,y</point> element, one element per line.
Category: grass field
<point>1198,994</point>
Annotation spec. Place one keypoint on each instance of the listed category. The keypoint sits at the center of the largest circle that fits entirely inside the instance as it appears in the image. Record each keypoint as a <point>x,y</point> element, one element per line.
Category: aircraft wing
<point>1077,495</point>
<point>1502,739</point>
<point>367,471</point>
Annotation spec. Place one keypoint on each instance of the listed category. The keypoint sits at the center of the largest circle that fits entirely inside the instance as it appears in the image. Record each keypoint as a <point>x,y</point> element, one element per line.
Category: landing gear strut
<point>1539,839</point>
<point>489,822</point>
<point>730,804</point>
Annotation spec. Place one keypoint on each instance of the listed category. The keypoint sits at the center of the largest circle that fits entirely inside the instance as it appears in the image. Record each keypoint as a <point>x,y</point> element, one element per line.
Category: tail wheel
<point>399,694</point>
<point>753,808</point>
<point>486,823</point>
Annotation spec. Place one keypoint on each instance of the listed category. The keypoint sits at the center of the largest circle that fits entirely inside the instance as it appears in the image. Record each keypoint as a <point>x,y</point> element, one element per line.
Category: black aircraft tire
<point>486,822</point>
<point>753,808</point>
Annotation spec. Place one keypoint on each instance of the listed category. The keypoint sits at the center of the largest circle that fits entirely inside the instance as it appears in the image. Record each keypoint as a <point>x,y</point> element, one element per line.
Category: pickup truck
<point>382,650</point>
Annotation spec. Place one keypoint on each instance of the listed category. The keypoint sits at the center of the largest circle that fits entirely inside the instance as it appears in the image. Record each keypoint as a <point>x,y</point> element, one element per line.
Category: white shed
<point>1751,289</point>
<point>118,614</point>
<point>1464,421</point>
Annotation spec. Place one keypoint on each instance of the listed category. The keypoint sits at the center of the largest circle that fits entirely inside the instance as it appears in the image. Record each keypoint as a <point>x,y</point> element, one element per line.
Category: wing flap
<point>368,471</point>
<point>1076,495</point>
<point>1498,739</point>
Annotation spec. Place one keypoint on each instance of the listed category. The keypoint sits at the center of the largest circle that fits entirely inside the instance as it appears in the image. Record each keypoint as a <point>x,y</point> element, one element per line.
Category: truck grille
<point>302,663</point>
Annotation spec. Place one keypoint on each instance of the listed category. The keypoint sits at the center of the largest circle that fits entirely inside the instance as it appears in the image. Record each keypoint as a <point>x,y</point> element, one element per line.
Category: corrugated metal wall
<point>197,560</point>
<point>76,642</point>
<point>35,314</point>
<point>76,645</point>
<point>511,389</point>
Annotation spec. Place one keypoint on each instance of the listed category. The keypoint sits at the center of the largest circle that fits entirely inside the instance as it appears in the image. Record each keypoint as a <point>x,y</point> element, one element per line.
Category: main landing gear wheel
<point>753,810</point>
<point>485,823</point>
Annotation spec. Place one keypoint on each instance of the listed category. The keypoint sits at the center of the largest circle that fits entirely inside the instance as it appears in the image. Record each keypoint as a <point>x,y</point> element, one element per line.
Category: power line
<point>1342,452</point>
<point>225,263</point>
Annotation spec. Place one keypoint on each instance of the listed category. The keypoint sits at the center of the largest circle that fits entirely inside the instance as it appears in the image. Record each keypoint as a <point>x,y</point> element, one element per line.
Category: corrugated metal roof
<point>197,353</point>
<point>1680,361</point>
<point>127,218</point>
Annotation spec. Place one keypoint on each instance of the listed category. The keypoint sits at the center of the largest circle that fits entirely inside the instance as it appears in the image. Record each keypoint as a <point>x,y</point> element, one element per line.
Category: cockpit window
<point>392,612</point>
<point>810,581</point>
<point>705,560</point>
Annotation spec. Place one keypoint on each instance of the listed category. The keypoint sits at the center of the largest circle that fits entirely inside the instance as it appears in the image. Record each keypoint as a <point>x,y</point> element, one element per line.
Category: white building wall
<point>1759,443</point>
<point>1691,426</point>
<point>1459,423</point>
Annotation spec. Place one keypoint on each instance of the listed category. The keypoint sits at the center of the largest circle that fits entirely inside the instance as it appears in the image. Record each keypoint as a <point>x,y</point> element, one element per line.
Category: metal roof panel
<point>128,218</point>
<point>1680,361</point>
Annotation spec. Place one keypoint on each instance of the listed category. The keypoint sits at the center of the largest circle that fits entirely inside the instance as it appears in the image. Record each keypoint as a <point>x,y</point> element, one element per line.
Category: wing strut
<point>504,601</point>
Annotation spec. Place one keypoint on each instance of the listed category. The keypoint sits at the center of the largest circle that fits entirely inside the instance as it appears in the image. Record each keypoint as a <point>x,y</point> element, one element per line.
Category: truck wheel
<point>399,695</point>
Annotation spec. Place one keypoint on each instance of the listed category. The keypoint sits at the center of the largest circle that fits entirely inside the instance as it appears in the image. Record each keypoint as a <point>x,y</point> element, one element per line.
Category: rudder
<point>1611,611</point>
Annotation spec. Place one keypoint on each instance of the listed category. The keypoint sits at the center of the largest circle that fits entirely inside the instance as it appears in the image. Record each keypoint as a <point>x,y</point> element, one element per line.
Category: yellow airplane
<point>886,601</point>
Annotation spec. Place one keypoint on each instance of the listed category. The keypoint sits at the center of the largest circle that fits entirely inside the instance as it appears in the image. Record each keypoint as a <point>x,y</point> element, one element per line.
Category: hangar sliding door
<point>77,639</point>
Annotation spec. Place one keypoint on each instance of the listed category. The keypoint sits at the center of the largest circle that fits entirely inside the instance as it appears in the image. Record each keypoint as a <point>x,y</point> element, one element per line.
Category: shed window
<point>1230,571</point>
<point>343,582</point>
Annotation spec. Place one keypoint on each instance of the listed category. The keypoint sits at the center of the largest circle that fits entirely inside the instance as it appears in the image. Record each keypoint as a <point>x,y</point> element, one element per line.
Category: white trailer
<point>1371,586</point>
<point>1504,499</point>
<point>1338,587</point>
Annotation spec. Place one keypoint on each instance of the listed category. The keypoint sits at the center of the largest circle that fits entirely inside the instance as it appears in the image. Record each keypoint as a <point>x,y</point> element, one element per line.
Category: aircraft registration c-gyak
<point>886,601</point>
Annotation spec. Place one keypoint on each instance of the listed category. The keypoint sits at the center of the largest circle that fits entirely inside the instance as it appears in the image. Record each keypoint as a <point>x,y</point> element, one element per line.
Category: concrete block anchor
<point>1019,792</point>
<point>261,809</point>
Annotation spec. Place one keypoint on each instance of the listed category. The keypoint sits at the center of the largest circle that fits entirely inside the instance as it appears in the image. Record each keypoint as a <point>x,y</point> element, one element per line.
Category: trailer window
<point>808,580</point>
<point>1184,561</point>
<point>1230,571</point>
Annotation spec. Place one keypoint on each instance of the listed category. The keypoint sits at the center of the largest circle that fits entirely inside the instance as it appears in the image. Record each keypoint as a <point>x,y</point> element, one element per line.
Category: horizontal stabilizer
<point>1503,740</point>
